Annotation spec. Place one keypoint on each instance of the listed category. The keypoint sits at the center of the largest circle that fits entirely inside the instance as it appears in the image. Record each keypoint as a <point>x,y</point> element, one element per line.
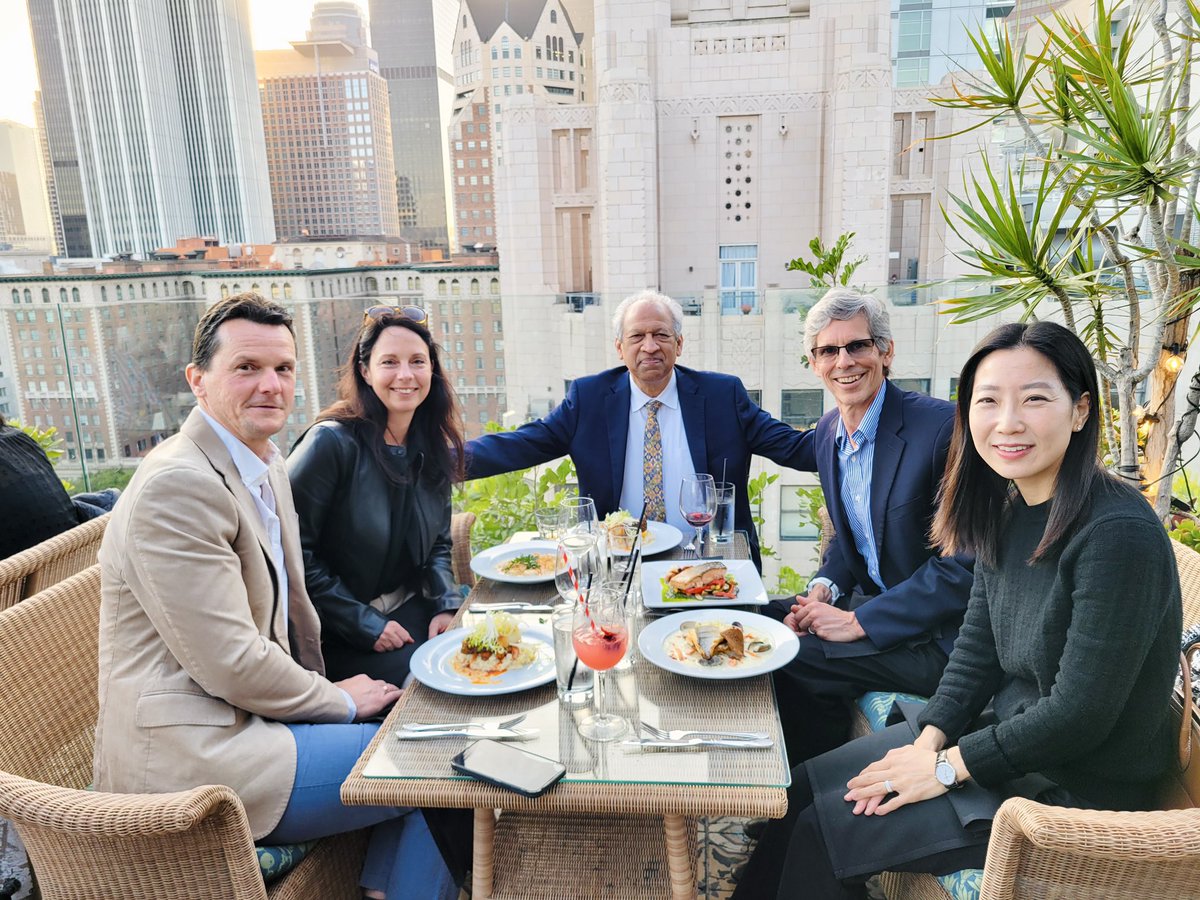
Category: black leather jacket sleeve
<point>319,467</point>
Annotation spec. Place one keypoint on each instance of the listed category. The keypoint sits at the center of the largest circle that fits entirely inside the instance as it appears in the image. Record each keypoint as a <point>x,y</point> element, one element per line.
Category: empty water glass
<point>722,523</point>
<point>549,522</point>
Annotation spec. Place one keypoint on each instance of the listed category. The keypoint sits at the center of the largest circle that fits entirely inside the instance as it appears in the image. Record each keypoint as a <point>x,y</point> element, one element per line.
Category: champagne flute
<point>576,561</point>
<point>601,638</point>
<point>698,504</point>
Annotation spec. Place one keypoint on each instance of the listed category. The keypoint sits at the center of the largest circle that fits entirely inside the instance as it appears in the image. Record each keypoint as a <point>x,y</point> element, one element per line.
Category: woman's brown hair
<point>436,428</point>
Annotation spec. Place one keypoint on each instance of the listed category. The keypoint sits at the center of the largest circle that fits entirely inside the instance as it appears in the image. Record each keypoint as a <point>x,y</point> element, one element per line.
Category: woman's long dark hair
<point>436,428</point>
<point>973,497</point>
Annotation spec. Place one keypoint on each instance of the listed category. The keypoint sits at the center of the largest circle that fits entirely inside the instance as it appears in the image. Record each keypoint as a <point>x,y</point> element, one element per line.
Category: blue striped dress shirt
<point>856,462</point>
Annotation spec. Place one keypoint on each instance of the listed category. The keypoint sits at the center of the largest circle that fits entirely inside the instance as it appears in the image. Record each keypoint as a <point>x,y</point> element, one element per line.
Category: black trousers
<point>791,861</point>
<point>343,660</point>
<point>815,692</point>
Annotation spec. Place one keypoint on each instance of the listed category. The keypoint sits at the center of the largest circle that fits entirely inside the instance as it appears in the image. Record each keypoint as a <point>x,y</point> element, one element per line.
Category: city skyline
<point>274,24</point>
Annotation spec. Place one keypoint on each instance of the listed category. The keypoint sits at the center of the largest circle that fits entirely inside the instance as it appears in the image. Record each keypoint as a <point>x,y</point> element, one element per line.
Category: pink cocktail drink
<point>601,647</point>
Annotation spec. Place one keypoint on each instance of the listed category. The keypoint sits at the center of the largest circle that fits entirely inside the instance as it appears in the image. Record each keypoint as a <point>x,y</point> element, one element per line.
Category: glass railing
<point>107,376</point>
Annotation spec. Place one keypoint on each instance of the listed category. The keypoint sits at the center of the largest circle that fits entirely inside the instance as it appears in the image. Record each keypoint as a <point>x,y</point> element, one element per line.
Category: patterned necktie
<point>652,465</point>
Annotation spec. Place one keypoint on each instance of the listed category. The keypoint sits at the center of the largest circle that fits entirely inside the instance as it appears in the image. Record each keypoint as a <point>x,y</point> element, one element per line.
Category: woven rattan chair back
<point>193,845</point>
<point>48,703</point>
<point>460,536</point>
<point>24,574</point>
<point>1188,561</point>
<point>827,534</point>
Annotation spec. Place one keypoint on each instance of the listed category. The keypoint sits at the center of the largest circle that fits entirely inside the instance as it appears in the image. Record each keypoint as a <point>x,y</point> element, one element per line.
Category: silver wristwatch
<point>943,771</point>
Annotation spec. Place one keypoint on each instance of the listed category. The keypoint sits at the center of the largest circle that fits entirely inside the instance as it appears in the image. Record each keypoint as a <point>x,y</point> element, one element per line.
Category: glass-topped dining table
<point>618,823</point>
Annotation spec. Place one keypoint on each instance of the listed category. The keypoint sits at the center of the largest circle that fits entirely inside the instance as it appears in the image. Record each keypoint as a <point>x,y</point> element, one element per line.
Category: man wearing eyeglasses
<point>884,608</point>
<point>635,431</point>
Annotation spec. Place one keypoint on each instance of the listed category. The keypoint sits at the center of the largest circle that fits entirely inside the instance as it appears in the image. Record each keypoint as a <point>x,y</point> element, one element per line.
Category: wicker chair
<point>24,574</point>
<point>460,535</point>
<point>86,844</point>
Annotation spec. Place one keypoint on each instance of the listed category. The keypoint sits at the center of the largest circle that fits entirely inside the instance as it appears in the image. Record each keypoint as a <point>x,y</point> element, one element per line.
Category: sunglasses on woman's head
<point>412,313</point>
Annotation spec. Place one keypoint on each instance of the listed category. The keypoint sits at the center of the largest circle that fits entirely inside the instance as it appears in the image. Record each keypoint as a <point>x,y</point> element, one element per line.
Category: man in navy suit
<point>884,608</point>
<point>703,422</point>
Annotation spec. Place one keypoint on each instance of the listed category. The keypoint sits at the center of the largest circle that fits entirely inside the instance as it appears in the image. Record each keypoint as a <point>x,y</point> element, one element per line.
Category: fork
<point>663,735</point>
<point>452,726</point>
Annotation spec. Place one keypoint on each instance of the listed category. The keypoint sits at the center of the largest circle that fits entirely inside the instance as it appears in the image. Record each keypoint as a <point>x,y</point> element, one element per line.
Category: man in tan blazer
<point>210,655</point>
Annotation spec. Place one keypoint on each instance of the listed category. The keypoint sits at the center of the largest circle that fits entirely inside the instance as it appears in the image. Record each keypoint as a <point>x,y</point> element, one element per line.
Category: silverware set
<point>499,731</point>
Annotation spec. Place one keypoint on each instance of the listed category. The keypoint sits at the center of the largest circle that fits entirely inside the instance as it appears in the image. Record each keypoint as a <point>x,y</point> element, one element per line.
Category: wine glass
<point>698,503</point>
<point>600,638</point>
<point>577,561</point>
<point>579,515</point>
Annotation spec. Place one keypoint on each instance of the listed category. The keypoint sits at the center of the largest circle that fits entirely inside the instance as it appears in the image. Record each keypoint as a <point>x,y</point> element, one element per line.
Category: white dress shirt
<point>677,457</point>
<point>254,476</point>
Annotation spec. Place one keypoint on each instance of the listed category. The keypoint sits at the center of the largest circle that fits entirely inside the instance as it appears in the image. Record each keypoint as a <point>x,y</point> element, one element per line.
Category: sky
<point>274,23</point>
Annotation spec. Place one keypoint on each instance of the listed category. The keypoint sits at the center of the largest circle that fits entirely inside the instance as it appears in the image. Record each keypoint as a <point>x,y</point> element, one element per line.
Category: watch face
<point>944,773</point>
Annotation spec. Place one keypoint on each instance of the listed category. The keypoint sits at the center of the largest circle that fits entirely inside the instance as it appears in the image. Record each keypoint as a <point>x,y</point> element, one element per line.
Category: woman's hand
<point>393,638</point>
<point>907,771</point>
<point>440,623</point>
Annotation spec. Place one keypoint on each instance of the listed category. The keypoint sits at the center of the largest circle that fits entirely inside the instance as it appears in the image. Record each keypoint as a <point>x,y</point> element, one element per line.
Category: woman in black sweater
<point>371,480</point>
<point>1071,635</point>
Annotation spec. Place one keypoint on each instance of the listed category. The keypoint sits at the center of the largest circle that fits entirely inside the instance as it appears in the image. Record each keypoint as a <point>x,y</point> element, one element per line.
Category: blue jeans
<point>402,859</point>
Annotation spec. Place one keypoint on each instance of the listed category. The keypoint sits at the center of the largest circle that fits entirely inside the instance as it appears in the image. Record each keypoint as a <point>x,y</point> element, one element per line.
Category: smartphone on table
<point>506,766</point>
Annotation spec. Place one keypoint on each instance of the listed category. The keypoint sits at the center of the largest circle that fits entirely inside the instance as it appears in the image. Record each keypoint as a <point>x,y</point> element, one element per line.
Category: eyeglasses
<point>412,313</point>
<point>829,352</point>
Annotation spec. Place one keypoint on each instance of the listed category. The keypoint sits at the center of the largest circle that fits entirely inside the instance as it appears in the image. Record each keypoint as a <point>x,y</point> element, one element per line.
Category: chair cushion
<point>962,885</point>
<point>277,861</point>
<point>876,705</point>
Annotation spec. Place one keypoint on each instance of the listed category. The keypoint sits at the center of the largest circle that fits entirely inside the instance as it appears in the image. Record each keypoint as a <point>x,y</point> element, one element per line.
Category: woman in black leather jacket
<point>372,482</point>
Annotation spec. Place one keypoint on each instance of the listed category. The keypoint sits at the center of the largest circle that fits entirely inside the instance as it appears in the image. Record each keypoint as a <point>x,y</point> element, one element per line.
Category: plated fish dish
<point>710,644</point>
<point>708,579</point>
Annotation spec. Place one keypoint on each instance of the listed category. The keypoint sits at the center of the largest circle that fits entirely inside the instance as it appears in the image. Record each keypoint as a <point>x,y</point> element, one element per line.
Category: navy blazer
<point>724,428</point>
<point>926,593</point>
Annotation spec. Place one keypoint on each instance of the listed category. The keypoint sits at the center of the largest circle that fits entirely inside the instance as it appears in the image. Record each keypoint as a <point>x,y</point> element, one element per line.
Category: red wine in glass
<point>698,504</point>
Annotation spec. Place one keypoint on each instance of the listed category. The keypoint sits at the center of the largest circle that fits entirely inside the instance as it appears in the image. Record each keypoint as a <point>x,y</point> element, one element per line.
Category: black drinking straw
<point>575,665</point>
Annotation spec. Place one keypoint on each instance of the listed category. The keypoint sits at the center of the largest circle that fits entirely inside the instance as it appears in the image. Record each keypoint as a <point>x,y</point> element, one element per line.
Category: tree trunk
<point>1161,400</point>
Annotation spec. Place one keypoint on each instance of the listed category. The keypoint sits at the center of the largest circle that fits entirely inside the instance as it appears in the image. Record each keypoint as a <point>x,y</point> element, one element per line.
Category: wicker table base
<point>590,857</point>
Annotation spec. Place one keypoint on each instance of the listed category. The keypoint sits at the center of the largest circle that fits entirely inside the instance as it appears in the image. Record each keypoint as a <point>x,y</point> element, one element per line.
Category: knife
<point>496,734</point>
<point>730,743</point>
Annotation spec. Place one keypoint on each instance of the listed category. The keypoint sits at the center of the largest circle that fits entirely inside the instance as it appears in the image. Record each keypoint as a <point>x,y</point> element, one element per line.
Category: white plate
<point>653,639</point>
<point>751,591</point>
<point>662,537</point>
<point>431,665</point>
<point>487,563</point>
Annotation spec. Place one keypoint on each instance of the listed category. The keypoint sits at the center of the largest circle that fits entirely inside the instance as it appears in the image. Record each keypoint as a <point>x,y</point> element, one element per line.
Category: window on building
<point>756,396</point>
<point>553,16</point>
<point>739,278</point>
<point>793,517</point>
<point>802,408</point>
<point>920,385</point>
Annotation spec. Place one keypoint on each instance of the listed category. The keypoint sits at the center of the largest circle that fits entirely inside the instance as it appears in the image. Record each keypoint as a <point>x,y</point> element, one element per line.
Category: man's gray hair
<point>841,304</point>
<point>671,306</point>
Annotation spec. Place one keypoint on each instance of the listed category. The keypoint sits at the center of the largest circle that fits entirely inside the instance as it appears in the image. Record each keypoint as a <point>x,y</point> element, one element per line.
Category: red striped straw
<point>575,583</point>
